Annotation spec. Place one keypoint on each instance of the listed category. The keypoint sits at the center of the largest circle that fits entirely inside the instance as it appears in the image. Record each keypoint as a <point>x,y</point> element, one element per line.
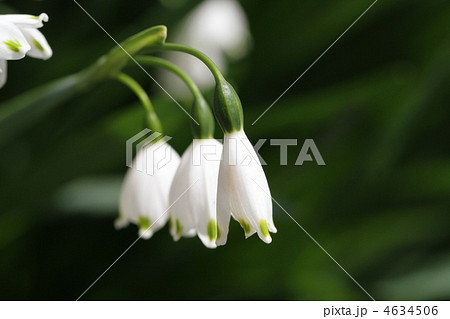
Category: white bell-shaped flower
<point>19,37</point>
<point>195,187</point>
<point>243,191</point>
<point>144,199</point>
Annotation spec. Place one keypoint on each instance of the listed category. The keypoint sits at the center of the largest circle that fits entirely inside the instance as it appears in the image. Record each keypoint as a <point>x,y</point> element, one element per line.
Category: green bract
<point>201,112</point>
<point>228,107</point>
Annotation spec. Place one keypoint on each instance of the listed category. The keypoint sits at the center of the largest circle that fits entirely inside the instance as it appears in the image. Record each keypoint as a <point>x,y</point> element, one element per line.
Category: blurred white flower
<point>19,37</point>
<point>144,199</point>
<point>195,211</point>
<point>218,28</point>
<point>243,191</point>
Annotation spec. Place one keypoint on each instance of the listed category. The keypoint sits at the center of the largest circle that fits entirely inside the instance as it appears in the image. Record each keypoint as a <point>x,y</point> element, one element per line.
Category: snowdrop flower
<point>243,191</point>
<point>219,28</point>
<point>19,37</point>
<point>195,211</point>
<point>144,199</point>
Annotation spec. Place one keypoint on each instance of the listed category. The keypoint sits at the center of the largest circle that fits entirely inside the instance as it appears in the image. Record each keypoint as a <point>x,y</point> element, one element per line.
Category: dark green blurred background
<point>376,105</point>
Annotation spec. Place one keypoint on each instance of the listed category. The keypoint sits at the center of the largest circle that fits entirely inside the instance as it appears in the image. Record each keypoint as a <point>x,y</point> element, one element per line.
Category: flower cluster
<point>209,184</point>
<point>199,193</point>
<point>19,36</point>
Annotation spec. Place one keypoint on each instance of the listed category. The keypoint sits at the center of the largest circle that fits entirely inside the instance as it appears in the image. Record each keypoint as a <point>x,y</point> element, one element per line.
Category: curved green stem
<point>227,105</point>
<point>152,118</point>
<point>137,89</point>
<point>200,109</point>
<point>154,61</point>
<point>199,55</point>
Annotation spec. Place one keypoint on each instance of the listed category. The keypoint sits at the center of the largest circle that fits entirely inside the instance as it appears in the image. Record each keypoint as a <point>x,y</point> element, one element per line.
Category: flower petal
<point>40,49</point>
<point>13,45</point>
<point>182,222</point>
<point>204,193</point>
<point>25,20</point>
<point>223,198</point>
<point>120,223</point>
<point>154,200</point>
<point>223,213</point>
<point>3,72</point>
<point>129,198</point>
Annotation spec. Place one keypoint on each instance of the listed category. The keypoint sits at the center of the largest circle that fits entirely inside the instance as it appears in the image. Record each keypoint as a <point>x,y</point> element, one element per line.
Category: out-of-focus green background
<point>376,105</point>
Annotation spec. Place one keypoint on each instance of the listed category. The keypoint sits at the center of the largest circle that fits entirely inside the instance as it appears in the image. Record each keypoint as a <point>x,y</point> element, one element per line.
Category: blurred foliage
<point>377,106</point>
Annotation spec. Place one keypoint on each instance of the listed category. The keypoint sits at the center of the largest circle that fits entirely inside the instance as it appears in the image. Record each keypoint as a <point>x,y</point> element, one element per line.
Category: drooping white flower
<point>19,37</point>
<point>144,199</point>
<point>197,176</point>
<point>220,29</point>
<point>243,191</point>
